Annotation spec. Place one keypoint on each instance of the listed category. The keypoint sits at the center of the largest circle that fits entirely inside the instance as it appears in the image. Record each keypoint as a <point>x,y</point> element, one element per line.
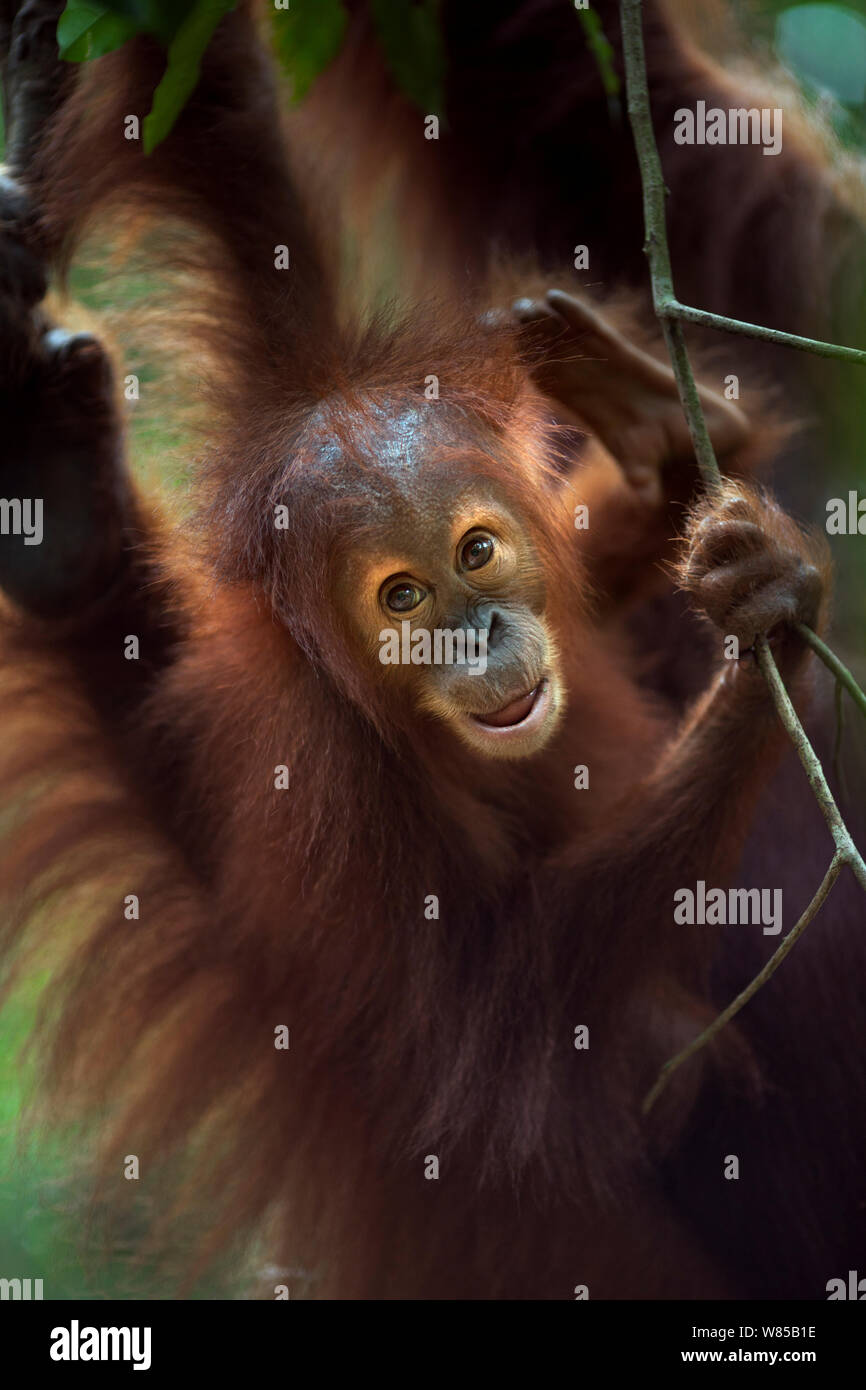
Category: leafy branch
<point>306,34</point>
<point>671,314</point>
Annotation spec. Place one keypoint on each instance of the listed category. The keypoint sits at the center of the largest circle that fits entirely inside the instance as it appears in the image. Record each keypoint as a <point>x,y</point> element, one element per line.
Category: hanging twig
<point>752,988</point>
<point>670,312</point>
<point>672,308</point>
<point>840,671</point>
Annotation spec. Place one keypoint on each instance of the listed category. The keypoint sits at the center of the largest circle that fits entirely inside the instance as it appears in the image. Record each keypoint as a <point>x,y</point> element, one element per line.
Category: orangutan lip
<point>514,713</point>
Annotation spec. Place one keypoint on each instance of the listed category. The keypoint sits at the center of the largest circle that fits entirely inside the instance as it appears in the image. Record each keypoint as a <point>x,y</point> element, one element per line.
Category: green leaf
<point>411,40</point>
<point>89,31</point>
<point>89,28</point>
<point>104,36</point>
<point>75,21</point>
<point>160,17</point>
<point>307,37</point>
<point>601,49</point>
<point>183,68</point>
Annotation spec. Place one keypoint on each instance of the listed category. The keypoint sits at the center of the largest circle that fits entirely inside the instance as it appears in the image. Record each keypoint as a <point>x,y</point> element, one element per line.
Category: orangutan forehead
<point>398,437</point>
<point>401,456</point>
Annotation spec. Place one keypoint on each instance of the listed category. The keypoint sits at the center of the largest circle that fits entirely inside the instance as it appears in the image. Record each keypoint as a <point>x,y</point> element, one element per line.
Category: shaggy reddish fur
<point>409,1037</point>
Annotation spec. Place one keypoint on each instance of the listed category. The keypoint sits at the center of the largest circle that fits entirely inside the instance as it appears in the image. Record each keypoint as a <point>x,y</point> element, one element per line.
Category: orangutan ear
<point>625,397</point>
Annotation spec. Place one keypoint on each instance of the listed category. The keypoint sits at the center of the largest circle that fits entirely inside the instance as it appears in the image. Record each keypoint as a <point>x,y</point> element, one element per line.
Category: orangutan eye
<point>403,597</point>
<point>476,552</point>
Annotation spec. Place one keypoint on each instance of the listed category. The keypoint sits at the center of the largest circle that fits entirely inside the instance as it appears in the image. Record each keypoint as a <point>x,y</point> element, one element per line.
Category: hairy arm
<point>78,553</point>
<point>750,570</point>
<point>638,485</point>
<point>95,575</point>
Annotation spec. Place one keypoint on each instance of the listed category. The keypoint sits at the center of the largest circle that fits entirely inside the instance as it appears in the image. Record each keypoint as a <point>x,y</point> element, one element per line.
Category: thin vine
<point>671,314</point>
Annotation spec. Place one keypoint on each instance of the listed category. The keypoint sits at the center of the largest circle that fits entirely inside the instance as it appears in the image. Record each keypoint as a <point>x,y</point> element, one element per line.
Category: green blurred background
<point>823,45</point>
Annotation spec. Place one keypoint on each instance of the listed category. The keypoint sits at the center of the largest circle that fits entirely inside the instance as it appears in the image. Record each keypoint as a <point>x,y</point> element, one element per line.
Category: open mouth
<point>520,727</point>
<point>519,712</point>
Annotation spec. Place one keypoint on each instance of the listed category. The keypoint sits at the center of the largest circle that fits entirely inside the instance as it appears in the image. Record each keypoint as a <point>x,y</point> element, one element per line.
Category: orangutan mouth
<point>517,711</point>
